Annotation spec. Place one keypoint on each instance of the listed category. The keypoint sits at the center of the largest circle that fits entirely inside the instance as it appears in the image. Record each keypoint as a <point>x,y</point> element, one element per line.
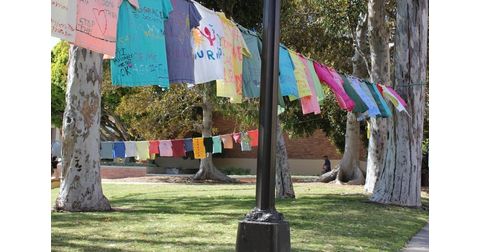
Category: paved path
<point>418,243</point>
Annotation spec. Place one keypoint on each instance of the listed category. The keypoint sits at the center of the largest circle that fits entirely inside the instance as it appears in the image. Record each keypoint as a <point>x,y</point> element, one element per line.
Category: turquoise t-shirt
<point>382,104</point>
<point>287,81</point>
<point>251,65</point>
<point>141,55</point>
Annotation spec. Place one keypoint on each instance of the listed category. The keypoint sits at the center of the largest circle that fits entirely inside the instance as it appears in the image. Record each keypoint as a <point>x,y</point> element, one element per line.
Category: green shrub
<point>235,171</point>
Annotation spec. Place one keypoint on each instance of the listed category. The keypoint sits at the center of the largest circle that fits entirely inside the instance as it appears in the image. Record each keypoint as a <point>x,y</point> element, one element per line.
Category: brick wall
<point>313,147</point>
<point>113,172</point>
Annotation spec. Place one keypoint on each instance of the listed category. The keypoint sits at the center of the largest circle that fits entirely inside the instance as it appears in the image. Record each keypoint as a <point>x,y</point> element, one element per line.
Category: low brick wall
<point>114,172</point>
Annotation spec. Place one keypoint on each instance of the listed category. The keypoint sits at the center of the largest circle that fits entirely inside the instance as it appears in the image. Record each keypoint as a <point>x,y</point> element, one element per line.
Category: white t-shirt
<point>130,149</point>
<point>207,47</point>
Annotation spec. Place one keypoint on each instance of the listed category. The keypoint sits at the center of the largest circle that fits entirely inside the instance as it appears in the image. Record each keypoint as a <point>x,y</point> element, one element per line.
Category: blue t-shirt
<point>118,149</point>
<point>178,35</point>
<point>287,81</point>
<point>251,68</point>
<point>141,57</point>
<point>188,144</point>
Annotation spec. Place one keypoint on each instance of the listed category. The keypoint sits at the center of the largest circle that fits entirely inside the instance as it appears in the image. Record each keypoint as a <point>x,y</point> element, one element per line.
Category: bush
<point>235,171</point>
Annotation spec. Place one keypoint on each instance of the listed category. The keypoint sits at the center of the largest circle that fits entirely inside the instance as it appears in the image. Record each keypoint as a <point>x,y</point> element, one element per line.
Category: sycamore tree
<point>400,174</point>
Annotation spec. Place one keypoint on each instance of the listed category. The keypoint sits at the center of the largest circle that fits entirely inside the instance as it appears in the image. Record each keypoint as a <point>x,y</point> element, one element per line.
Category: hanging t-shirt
<point>130,149</point>
<point>141,56</point>
<point>96,24</point>
<point>227,141</point>
<point>178,36</point>
<point>300,76</point>
<point>388,95</point>
<point>234,47</point>
<point>217,144</point>
<point>253,134</point>
<point>177,148</point>
<point>142,150</point>
<point>287,81</point>
<point>166,148</point>
<point>237,137</point>
<point>373,109</point>
<point>106,150</point>
<point>245,142</point>
<point>207,47</point>
<point>382,105</point>
<point>251,68</point>
<point>399,98</point>
<point>208,143</point>
<point>335,83</point>
<point>119,150</point>
<point>360,106</point>
<point>63,19</point>
<point>316,81</point>
<point>199,148</point>
<point>153,147</point>
<point>187,144</point>
<point>309,103</point>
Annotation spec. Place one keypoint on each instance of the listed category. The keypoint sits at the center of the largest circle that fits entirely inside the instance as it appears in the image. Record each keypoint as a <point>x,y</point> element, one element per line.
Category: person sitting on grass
<point>326,165</point>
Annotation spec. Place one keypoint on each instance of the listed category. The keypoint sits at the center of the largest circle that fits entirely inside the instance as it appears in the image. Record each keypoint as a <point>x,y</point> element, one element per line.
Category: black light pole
<point>264,229</point>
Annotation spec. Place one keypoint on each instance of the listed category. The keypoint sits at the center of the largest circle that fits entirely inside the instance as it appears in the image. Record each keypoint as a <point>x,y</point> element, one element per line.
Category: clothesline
<point>160,43</point>
<point>198,146</point>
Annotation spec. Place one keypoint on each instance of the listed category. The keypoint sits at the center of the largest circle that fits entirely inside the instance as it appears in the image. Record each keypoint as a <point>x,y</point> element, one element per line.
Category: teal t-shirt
<point>360,106</point>
<point>251,65</point>
<point>381,103</point>
<point>141,56</point>
<point>287,81</point>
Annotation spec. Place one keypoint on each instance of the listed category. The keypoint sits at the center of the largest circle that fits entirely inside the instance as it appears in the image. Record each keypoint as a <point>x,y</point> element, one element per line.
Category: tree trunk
<point>81,188</point>
<point>349,167</point>
<point>400,177</point>
<point>380,72</point>
<point>348,170</point>
<point>284,185</point>
<point>207,169</point>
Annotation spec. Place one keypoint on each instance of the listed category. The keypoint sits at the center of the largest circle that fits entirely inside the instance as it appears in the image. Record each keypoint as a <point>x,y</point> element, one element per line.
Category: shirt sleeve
<point>167,8</point>
<point>245,50</point>
<point>195,16</point>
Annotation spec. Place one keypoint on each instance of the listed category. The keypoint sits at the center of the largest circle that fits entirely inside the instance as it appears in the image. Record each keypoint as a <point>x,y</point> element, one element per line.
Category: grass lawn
<point>184,217</point>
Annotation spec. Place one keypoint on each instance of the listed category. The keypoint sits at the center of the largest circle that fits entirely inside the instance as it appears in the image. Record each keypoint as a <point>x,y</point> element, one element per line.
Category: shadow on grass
<point>341,219</point>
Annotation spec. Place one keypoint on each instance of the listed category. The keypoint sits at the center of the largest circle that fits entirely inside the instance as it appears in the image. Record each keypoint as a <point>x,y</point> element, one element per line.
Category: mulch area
<point>189,180</point>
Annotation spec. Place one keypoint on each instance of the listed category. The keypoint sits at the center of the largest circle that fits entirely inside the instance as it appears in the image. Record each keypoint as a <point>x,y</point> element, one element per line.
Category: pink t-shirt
<point>166,148</point>
<point>96,25</point>
<point>333,80</point>
<point>309,103</point>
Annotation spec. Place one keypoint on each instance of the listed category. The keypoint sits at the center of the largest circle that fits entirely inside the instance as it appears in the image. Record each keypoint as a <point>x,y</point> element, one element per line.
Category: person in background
<point>56,154</point>
<point>326,165</point>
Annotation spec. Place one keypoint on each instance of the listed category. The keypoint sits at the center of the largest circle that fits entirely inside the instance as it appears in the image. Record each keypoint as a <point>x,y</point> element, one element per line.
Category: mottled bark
<point>380,73</point>
<point>81,188</point>
<point>400,175</point>
<point>284,185</point>
<point>207,169</point>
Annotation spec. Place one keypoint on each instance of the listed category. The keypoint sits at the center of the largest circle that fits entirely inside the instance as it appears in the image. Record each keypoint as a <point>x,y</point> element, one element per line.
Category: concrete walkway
<point>418,243</point>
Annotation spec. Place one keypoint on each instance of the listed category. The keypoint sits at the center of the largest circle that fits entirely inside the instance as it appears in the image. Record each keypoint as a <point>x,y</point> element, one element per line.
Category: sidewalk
<point>418,243</point>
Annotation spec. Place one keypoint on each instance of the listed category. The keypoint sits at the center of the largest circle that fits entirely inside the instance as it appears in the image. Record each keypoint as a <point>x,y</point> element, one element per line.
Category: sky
<point>53,42</point>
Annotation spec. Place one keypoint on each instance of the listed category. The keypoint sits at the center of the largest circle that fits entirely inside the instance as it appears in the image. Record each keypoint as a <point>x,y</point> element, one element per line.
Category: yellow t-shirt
<point>234,48</point>
<point>142,150</point>
<point>300,76</point>
<point>199,148</point>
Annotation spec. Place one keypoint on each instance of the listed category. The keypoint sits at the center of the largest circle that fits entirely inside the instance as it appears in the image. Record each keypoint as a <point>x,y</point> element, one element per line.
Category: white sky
<point>53,42</point>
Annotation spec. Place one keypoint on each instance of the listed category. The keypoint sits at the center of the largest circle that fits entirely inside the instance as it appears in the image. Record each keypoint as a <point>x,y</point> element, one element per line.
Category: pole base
<point>254,236</point>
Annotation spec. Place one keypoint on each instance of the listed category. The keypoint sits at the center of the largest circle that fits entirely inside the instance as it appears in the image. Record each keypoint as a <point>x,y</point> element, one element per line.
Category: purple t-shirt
<point>178,36</point>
